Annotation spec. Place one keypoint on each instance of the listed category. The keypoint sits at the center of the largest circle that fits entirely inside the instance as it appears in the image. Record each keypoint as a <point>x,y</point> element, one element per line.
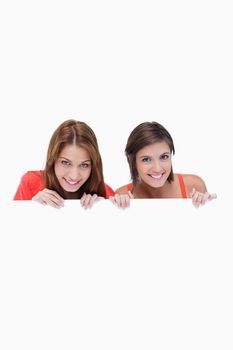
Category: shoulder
<point>194,181</point>
<point>31,183</point>
<point>124,189</point>
<point>32,175</point>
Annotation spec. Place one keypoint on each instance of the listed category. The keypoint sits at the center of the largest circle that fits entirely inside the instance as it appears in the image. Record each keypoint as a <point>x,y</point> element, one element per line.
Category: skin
<point>122,200</point>
<point>154,164</point>
<point>72,169</point>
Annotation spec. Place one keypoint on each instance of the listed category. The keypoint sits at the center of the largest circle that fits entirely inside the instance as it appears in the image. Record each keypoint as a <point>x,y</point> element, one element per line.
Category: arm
<point>31,187</point>
<point>30,184</point>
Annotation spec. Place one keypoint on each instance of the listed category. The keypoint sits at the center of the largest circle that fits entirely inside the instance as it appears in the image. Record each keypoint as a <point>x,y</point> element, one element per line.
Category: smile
<point>156,177</point>
<point>72,183</point>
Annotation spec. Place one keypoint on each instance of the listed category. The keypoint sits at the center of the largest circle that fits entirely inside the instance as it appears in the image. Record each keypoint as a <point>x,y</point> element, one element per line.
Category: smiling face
<point>72,168</point>
<point>153,163</point>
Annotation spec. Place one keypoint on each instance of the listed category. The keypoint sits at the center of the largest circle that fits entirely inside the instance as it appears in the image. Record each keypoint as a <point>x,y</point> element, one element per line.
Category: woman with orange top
<point>149,153</point>
<point>73,169</point>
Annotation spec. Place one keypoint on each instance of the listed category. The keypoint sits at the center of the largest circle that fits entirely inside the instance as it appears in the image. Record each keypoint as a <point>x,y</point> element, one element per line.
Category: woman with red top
<point>73,169</point>
<point>149,153</point>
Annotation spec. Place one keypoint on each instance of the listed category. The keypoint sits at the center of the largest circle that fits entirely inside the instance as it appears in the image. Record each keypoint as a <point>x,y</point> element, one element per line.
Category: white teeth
<point>72,182</point>
<point>157,177</point>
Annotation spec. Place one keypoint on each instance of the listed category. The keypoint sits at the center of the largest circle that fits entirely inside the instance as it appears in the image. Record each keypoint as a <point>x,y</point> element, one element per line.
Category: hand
<point>199,198</point>
<point>122,200</point>
<point>88,200</point>
<point>49,197</point>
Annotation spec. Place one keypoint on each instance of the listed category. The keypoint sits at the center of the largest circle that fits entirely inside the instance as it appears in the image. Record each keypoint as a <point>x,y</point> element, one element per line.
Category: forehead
<point>154,149</point>
<point>74,153</point>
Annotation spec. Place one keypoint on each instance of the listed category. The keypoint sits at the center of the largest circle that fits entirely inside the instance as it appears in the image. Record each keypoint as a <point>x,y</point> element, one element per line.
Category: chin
<point>70,189</point>
<point>152,184</point>
<point>155,185</point>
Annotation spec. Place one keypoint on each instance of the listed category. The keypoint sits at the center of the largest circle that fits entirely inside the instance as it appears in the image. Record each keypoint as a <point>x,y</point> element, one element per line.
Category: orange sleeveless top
<point>181,182</point>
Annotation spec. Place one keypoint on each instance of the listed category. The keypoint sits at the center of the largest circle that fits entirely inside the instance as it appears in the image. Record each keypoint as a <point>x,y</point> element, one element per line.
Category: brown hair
<point>143,135</point>
<point>72,132</point>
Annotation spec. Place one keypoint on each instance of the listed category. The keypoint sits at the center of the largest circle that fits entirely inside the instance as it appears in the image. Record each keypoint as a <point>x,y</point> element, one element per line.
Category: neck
<point>70,195</point>
<point>73,195</point>
<point>142,190</point>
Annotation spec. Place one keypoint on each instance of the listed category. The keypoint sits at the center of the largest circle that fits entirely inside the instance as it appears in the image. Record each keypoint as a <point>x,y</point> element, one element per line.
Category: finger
<point>130,195</point>
<point>114,200</point>
<point>125,202</point>
<point>54,194</point>
<point>111,198</point>
<point>40,200</point>
<point>92,200</point>
<point>212,196</point>
<point>54,201</point>
<point>209,197</point>
<point>53,204</point>
<point>82,200</point>
<point>205,198</point>
<point>192,193</point>
<point>52,198</point>
<point>196,198</point>
<point>87,201</point>
<point>117,199</point>
<point>195,195</point>
<point>122,202</point>
<point>45,198</point>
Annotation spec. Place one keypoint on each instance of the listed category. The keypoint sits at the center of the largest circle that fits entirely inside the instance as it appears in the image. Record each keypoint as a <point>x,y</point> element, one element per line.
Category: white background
<point>115,65</point>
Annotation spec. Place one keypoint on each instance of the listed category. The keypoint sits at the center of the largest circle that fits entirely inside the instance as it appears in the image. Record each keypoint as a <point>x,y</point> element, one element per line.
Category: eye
<point>65,162</point>
<point>84,165</point>
<point>146,159</point>
<point>165,156</point>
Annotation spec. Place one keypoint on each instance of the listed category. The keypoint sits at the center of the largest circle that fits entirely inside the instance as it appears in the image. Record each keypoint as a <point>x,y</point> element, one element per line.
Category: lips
<point>156,177</point>
<point>72,182</point>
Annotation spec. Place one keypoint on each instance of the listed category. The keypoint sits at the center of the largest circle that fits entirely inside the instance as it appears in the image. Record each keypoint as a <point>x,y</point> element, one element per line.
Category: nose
<point>156,166</point>
<point>74,173</point>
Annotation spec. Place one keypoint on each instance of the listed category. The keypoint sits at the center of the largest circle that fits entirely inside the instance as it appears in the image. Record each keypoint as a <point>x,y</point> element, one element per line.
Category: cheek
<point>87,173</point>
<point>141,168</point>
<point>169,165</point>
<point>58,170</point>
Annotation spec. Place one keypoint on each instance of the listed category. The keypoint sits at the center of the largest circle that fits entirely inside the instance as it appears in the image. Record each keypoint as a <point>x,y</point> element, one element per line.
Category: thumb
<point>193,191</point>
<point>130,195</point>
<point>212,196</point>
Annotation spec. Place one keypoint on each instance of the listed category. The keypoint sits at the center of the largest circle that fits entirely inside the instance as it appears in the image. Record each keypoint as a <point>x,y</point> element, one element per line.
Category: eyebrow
<point>65,159</point>
<point>84,161</point>
<point>146,156</point>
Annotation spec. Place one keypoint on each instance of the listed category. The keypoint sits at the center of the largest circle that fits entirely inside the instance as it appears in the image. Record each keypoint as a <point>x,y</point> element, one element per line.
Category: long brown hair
<point>143,135</point>
<point>72,132</point>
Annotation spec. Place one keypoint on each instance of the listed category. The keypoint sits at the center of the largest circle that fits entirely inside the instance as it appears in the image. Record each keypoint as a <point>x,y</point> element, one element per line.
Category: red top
<point>182,186</point>
<point>32,182</point>
<point>181,182</point>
